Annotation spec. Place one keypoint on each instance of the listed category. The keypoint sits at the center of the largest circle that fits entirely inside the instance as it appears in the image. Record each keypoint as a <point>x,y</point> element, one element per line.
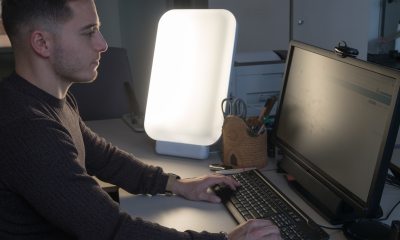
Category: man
<point>48,154</point>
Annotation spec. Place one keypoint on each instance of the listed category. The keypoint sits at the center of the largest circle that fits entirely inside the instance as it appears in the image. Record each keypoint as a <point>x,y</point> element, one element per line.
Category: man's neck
<point>43,79</point>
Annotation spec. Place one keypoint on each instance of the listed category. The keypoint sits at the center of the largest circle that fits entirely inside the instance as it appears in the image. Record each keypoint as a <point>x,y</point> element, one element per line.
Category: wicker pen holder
<point>240,149</point>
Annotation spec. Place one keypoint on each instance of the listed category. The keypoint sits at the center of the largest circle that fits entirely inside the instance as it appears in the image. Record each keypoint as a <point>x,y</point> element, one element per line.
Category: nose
<point>101,44</point>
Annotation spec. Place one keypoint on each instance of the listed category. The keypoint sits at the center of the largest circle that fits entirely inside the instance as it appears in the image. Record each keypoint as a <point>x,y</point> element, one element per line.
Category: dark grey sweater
<point>47,157</point>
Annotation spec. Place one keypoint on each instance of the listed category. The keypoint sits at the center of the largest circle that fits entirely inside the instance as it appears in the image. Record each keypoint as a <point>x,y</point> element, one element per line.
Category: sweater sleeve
<point>113,165</point>
<point>43,169</point>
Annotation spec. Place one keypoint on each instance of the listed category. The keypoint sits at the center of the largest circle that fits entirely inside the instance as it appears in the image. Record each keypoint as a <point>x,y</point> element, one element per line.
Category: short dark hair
<point>17,13</point>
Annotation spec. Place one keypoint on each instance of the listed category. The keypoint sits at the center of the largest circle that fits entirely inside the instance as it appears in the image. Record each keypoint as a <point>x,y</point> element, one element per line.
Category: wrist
<point>171,183</point>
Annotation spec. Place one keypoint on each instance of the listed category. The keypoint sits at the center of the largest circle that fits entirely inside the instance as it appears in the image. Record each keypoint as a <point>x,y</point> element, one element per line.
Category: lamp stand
<point>182,150</point>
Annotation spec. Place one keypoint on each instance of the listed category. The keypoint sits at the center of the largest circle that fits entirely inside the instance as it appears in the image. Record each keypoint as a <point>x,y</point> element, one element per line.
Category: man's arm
<point>39,163</point>
<point>113,165</point>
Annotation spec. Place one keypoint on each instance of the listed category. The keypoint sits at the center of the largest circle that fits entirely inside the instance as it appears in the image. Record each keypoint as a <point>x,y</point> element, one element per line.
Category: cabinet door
<point>262,25</point>
<point>324,23</point>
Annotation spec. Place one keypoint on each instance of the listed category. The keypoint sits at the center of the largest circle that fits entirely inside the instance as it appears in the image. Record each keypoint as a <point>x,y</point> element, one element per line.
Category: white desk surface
<point>183,214</point>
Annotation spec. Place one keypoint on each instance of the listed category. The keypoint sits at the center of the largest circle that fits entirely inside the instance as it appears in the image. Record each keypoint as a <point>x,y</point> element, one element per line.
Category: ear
<point>40,42</point>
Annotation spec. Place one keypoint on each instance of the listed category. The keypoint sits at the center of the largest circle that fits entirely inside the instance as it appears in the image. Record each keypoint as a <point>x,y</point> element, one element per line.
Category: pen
<point>233,171</point>
<point>218,167</point>
<point>267,108</point>
<point>261,130</point>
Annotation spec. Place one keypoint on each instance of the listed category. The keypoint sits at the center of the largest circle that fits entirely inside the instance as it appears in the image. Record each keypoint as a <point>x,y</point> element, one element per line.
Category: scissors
<point>234,106</point>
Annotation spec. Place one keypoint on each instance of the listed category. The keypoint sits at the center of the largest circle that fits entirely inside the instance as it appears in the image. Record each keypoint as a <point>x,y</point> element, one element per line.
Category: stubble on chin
<point>71,68</point>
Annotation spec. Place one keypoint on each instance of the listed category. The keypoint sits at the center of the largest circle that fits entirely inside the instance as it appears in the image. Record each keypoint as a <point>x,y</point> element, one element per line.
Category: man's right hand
<point>256,229</point>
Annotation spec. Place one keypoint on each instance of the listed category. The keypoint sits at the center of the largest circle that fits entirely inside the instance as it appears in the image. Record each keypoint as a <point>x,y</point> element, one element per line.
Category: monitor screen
<point>337,121</point>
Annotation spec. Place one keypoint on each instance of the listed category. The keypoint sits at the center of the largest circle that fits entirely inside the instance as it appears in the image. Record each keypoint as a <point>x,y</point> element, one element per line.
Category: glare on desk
<point>189,78</point>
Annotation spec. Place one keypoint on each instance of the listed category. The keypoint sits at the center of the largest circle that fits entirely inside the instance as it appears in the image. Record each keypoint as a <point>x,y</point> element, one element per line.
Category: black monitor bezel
<point>371,207</point>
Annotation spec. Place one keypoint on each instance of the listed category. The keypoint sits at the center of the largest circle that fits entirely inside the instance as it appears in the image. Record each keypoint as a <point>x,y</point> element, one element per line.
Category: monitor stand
<point>367,229</point>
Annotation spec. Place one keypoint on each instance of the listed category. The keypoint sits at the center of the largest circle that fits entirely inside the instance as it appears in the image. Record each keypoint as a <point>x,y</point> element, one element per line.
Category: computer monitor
<point>336,125</point>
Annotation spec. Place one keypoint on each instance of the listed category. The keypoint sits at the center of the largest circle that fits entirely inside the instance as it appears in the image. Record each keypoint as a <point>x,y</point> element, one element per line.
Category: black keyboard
<point>258,198</point>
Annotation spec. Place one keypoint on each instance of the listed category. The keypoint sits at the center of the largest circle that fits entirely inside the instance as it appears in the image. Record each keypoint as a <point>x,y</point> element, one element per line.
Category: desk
<point>182,214</point>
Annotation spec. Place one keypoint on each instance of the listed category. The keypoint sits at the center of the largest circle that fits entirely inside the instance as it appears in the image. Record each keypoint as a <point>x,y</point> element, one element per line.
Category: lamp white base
<point>182,150</point>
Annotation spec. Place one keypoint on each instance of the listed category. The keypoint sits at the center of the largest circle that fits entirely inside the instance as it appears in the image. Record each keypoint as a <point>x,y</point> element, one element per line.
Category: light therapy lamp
<point>189,79</point>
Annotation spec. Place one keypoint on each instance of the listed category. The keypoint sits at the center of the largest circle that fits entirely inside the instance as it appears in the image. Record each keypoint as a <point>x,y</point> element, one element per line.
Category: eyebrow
<point>84,28</point>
